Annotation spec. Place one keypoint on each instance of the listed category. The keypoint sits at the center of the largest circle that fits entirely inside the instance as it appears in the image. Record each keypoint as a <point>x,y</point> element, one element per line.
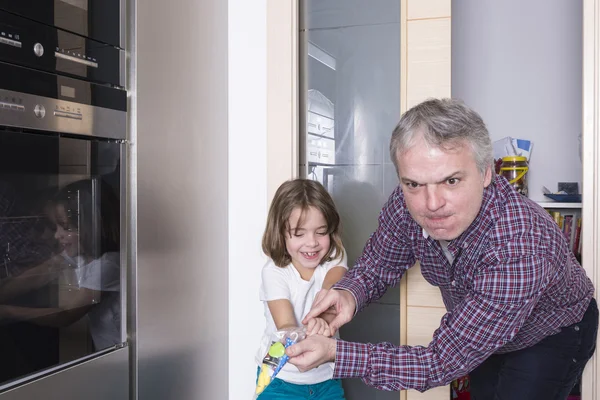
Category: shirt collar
<point>488,213</point>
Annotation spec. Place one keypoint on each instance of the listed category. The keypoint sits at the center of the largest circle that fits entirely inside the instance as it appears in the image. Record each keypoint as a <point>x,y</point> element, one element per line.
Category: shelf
<point>557,204</point>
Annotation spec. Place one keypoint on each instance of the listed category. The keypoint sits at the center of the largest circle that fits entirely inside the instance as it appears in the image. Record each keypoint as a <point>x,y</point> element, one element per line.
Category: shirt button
<point>453,283</point>
<point>576,328</point>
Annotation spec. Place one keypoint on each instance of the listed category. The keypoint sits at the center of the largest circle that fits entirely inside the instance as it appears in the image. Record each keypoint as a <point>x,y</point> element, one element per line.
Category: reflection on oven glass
<point>60,251</point>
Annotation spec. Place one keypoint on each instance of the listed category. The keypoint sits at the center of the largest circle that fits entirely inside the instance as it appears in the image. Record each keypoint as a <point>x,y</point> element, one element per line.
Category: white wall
<point>201,141</point>
<point>519,64</point>
<point>247,187</point>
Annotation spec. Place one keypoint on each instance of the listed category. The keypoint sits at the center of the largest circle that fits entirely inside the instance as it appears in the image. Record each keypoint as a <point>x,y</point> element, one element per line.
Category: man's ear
<point>487,176</point>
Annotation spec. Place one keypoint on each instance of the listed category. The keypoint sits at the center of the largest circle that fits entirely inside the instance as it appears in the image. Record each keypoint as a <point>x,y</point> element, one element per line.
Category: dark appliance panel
<point>97,19</point>
<point>31,44</point>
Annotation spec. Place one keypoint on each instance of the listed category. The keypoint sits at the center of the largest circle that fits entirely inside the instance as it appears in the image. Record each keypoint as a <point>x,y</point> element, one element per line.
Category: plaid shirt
<point>513,282</point>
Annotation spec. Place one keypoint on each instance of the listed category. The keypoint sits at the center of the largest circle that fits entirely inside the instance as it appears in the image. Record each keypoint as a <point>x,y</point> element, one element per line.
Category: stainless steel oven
<point>63,143</point>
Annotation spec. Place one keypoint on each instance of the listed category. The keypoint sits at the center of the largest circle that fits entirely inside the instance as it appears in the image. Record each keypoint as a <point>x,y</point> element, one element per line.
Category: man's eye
<point>412,185</point>
<point>452,181</point>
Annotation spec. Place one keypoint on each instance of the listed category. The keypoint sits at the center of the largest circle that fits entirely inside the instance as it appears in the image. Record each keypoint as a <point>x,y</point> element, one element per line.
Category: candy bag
<point>276,358</point>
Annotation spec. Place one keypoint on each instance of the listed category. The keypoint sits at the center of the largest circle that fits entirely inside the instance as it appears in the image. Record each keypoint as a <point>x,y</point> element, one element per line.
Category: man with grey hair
<point>521,318</point>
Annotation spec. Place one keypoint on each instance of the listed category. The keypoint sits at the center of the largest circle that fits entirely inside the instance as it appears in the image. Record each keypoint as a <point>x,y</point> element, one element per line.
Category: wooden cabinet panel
<point>422,322</point>
<point>425,71</point>
<point>438,393</point>
<point>429,55</point>
<point>419,9</point>
<point>420,292</point>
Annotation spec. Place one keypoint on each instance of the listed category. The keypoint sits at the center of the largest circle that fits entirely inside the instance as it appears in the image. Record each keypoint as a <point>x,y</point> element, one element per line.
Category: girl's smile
<point>307,240</point>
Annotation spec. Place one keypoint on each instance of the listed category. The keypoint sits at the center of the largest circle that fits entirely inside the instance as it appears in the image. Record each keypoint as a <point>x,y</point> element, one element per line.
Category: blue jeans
<point>546,371</point>
<point>282,390</point>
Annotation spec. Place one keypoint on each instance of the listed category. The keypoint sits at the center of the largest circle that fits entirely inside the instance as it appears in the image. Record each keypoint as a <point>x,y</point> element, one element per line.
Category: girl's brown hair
<point>303,194</point>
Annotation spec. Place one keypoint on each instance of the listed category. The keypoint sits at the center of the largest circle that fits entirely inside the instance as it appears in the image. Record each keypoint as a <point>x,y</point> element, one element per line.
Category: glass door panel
<point>60,250</point>
<point>350,102</point>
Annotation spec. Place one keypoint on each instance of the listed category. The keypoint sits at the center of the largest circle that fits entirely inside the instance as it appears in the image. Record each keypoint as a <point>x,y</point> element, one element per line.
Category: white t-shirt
<point>102,275</point>
<point>286,283</point>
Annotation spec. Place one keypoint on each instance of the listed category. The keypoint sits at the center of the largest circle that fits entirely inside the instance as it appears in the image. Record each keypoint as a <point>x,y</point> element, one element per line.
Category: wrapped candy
<point>276,358</point>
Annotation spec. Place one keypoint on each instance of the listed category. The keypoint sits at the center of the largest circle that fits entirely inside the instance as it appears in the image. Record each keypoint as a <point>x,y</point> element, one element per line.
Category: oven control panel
<point>47,114</point>
<point>6,105</point>
<point>10,39</point>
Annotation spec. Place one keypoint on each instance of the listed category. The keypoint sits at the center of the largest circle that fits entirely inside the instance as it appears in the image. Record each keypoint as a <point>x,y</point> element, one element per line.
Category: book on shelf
<point>577,240</point>
<point>570,225</point>
<point>567,225</point>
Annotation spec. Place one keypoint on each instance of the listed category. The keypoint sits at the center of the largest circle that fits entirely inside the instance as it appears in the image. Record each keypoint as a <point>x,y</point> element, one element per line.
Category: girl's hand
<point>318,326</point>
<point>339,302</point>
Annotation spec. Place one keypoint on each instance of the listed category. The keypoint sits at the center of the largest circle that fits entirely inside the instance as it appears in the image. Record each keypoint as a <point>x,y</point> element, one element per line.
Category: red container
<point>460,388</point>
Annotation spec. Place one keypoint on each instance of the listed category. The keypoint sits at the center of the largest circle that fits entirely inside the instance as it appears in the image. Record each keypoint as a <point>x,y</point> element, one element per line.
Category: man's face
<point>443,189</point>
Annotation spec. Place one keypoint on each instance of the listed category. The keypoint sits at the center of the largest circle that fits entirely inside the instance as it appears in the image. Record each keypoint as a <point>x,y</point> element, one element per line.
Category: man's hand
<point>311,352</point>
<point>335,306</point>
<point>328,315</point>
<point>318,326</point>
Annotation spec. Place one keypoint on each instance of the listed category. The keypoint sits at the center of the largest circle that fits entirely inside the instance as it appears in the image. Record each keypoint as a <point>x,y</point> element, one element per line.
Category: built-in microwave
<point>100,20</point>
<point>38,46</point>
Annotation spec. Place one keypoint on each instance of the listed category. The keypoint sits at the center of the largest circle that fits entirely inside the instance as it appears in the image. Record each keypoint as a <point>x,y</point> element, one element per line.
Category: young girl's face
<point>307,240</point>
<point>67,235</point>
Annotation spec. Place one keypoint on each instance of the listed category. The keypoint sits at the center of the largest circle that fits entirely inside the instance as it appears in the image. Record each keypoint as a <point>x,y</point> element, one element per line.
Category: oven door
<point>62,144</point>
<point>100,20</point>
<point>61,251</point>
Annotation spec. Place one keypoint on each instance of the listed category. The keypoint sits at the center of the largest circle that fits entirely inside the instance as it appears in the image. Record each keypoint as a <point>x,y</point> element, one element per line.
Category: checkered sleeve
<point>385,258</point>
<point>489,317</point>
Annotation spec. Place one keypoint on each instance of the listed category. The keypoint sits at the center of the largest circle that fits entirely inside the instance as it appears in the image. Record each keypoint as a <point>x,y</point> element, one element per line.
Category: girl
<point>302,240</point>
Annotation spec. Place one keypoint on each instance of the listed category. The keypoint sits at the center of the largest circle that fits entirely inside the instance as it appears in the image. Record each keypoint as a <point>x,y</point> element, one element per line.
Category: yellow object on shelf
<point>514,169</point>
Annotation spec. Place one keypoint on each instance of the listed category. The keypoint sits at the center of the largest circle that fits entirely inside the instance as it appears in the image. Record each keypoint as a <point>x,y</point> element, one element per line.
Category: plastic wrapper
<point>276,358</point>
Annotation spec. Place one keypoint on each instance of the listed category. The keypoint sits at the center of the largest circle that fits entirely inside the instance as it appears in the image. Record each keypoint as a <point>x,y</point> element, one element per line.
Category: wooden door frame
<point>591,170</point>
<point>403,108</point>
<point>282,92</point>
